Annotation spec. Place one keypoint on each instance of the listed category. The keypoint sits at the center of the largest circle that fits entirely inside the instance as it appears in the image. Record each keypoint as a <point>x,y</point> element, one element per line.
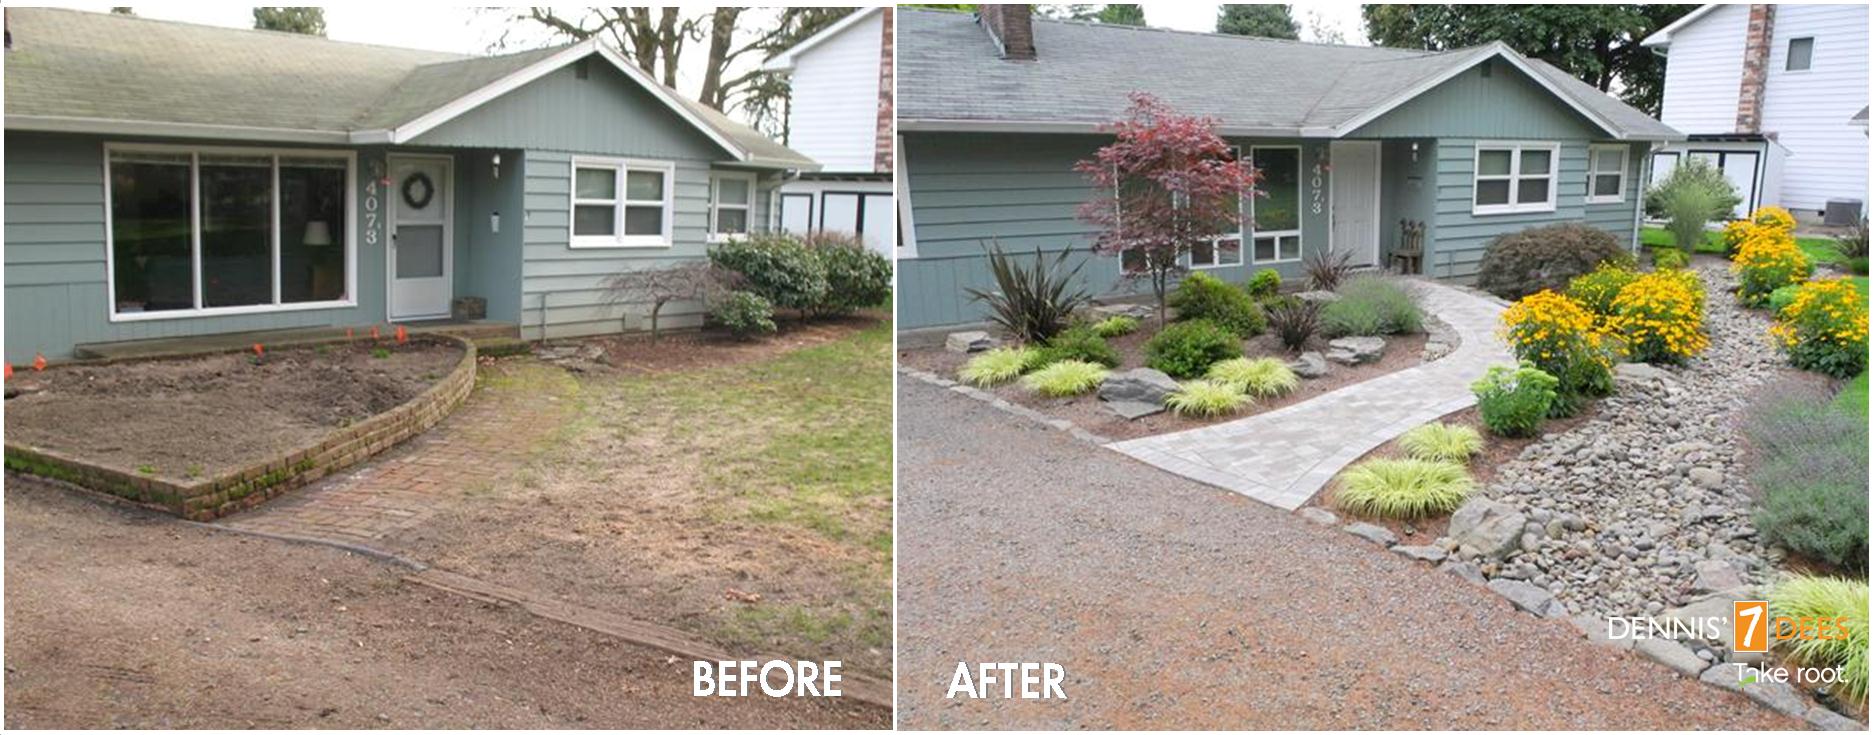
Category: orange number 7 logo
<point>1750,632</point>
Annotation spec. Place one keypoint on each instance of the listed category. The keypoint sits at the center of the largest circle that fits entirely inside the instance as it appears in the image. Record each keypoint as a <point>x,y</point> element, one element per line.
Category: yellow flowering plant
<point>1774,218</point>
<point>1825,328</point>
<point>1768,259</point>
<point>1661,316</point>
<point>1558,336</point>
<point>1596,289</point>
<point>1767,221</point>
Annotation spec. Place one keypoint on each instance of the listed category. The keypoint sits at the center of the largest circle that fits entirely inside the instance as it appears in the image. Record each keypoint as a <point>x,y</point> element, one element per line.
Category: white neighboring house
<point>840,114</point>
<point>1776,96</point>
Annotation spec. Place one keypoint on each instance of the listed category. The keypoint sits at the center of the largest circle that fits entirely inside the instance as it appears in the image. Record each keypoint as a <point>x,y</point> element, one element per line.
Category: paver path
<point>1285,456</point>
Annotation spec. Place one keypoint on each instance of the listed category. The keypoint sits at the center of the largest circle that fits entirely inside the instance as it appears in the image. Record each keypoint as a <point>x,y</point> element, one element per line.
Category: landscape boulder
<point>1309,365</point>
<point>976,341</point>
<point>1137,392</point>
<point>1491,528</point>
<point>1356,350</point>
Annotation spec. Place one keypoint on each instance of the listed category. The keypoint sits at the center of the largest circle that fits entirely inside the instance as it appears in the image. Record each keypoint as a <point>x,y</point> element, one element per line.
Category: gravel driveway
<point>1176,605</point>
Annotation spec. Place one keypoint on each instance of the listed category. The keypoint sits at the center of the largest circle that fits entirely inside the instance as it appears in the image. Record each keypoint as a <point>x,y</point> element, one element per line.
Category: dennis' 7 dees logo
<point>1753,628</point>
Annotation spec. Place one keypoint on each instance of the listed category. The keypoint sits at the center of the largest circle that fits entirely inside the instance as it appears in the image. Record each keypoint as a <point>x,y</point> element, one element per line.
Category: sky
<point>1344,17</point>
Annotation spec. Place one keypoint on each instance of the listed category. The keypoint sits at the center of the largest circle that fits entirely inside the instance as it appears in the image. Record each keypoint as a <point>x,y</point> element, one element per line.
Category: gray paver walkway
<point>1285,456</point>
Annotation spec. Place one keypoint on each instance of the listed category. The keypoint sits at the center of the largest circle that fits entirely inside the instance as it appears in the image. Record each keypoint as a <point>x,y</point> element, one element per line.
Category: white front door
<point>1354,196</point>
<point>421,255</point>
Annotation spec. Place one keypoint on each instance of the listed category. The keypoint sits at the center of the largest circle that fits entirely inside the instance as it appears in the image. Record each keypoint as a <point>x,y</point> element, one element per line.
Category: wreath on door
<point>418,189</point>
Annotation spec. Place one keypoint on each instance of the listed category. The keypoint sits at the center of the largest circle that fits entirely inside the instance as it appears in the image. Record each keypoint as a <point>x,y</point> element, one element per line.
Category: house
<point>1771,94</point>
<point>840,114</point>
<point>166,180</point>
<point>1351,141</point>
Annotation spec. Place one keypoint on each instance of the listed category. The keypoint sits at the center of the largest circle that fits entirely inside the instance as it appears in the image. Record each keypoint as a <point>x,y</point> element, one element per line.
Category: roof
<point>951,77</point>
<point>1664,36</point>
<point>784,61</point>
<point>105,73</point>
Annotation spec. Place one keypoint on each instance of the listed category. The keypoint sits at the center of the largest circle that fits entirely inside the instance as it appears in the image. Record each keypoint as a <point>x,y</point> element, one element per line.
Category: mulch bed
<point>185,419</point>
<point>1087,412</point>
<point>707,348</point>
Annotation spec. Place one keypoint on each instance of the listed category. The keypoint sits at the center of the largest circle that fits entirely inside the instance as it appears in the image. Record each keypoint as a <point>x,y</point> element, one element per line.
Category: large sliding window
<point>203,231</point>
<point>1276,215</point>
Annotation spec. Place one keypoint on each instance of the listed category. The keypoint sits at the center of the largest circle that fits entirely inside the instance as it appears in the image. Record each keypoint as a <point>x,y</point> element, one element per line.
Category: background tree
<point>1120,15</point>
<point>1177,182</point>
<point>122,11</point>
<point>309,21</point>
<point>1321,31</point>
<point>1268,21</point>
<point>1598,44</point>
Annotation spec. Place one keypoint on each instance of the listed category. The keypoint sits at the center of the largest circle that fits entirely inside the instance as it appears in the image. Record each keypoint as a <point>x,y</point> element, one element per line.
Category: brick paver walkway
<point>1285,456</point>
<point>490,436</point>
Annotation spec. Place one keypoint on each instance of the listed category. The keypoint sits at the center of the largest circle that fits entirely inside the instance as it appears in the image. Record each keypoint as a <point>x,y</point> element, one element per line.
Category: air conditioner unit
<point>1842,212</point>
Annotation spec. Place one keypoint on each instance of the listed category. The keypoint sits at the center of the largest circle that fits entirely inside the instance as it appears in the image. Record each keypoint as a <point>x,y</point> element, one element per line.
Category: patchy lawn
<point>1819,249</point>
<point>1854,395</point>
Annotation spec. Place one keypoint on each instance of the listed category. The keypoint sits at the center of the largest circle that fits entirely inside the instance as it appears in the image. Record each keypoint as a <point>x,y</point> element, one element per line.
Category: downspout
<point>1640,196</point>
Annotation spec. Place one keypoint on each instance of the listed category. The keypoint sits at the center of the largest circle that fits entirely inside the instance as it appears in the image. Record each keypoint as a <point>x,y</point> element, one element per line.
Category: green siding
<point>1506,104</point>
<point>1021,191</point>
<point>488,262</point>
<point>1461,236</point>
<point>1618,218</point>
<point>56,288</point>
<point>1408,190</point>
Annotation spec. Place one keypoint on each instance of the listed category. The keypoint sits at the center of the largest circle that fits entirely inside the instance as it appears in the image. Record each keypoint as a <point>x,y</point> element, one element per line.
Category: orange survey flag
<point>258,351</point>
<point>402,336</point>
<point>9,372</point>
<point>374,332</point>
<point>39,361</point>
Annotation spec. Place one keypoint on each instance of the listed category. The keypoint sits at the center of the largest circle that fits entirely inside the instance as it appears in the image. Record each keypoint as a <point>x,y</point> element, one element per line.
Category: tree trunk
<point>670,42</point>
<point>722,33</point>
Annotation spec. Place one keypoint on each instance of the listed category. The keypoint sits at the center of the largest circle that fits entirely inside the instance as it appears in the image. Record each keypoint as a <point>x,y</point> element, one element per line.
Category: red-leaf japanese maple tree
<point>1166,183</point>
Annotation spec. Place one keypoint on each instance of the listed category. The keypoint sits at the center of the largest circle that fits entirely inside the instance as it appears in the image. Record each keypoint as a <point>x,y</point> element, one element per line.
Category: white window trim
<point>748,209</point>
<point>1516,149</point>
<point>618,238</point>
<point>907,231</point>
<point>195,236</point>
<point>1254,234</point>
<point>1621,190</point>
<point>1812,61</point>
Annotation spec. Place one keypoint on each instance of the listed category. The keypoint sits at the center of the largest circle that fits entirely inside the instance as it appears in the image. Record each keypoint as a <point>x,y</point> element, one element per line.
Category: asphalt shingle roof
<point>949,70</point>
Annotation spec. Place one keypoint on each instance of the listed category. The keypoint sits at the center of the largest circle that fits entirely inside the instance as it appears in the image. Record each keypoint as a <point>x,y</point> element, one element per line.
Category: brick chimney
<point>882,125</point>
<point>1757,58</point>
<point>1012,29</point>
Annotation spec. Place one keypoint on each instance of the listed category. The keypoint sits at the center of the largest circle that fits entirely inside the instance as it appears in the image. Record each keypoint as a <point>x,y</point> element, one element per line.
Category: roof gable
<point>784,61</point>
<point>1664,36</point>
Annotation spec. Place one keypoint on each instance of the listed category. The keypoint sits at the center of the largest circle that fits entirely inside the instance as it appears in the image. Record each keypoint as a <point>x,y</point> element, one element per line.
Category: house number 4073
<point>1317,174</point>
<point>374,184</point>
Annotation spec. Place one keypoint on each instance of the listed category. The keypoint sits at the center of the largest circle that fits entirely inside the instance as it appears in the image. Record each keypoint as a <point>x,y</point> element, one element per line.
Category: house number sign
<point>374,182</point>
<point>1317,174</point>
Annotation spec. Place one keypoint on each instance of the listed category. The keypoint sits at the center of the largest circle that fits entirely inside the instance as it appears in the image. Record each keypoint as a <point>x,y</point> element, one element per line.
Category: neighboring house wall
<point>1704,65</point>
<point>834,108</point>
<point>1809,110</point>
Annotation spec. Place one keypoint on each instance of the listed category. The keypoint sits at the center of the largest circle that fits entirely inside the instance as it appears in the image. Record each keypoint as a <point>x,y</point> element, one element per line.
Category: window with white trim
<point>1608,173</point>
<point>1798,55</point>
<point>1225,250</point>
<point>219,230</point>
<point>730,197</point>
<point>619,202</point>
<point>1514,177</point>
<point>1276,213</point>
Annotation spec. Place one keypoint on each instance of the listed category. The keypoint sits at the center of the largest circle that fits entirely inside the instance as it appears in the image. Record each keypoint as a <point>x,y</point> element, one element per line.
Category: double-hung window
<point>1276,212</point>
<point>730,196</point>
<point>198,231</point>
<point>1608,173</point>
<point>621,203</point>
<point>1514,177</point>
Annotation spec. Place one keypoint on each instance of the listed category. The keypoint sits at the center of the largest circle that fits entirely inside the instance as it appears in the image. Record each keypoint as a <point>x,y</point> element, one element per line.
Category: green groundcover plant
<point>1066,378</point>
<point>1437,442</point>
<point>1077,343</point>
<point>1116,326</point>
<point>1403,488</point>
<point>1188,349</point>
<point>1204,398</point>
<point>1203,296</point>
<point>998,366</point>
<point>1262,377</point>
<point>1514,401</point>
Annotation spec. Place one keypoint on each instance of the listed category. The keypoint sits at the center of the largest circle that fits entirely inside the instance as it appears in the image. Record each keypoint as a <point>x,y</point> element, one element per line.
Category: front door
<point>421,234</point>
<point>1354,196</point>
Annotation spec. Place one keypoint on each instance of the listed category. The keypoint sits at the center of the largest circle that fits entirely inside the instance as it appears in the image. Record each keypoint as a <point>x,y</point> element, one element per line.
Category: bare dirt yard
<point>232,409</point>
<point>121,618</point>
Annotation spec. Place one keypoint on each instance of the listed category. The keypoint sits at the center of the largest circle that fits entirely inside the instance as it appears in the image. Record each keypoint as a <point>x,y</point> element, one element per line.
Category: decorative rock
<point>1776,695</point>
<point>1596,630</point>
<point>1318,516</point>
<point>1671,654</point>
<point>1640,373</point>
<point>1356,350</point>
<point>1309,365</point>
<point>1713,575</point>
<point>1529,598</point>
<point>1372,533</point>
<point>1319,297</point>
<point>1432,554</point>
<point>1824,718</point>
<point>977,341</point>
<point>1131,410</point>
<point>1137,392</point>
<point>1463,570</point>
<point>1706,477</point>
<point>1494,529</point>
<point>1136,311</point>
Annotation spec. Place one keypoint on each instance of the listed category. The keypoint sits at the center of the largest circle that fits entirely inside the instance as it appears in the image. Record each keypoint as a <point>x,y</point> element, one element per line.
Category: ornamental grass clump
<point>1066,378</point>
<point>1661,316</point>
<point>1557,336</point>
<point>1403,488</point>
<point>1843,604</point>
<point>1514,401</point>
<point>998,366</point>
<point>1206,398</point>
<point>1825,328</point>
<point>1438,442</point>
<point>1293,320</point>
<point>1116,326</point>
<point>1262,377</point>
<point>1811,475</point>
<point>1370,306</point>
<point>1768,260</point>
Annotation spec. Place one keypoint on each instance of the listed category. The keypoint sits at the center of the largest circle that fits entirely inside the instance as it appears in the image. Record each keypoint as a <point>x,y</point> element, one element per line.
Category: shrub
<point>1661,316</point>
<point>1768,260</point>
<point>1261,377</point>
<point>998,366</point>
<point>1782,297</point>
<point>1597,289</point>
<point>1188,349</point>
<point>1514,401</point>
<point>1265,284</point>
<point>780,268</point>
<point>1694,174</point>
<point>1437,442</point>
<point>1403,488</point>
<point>1031,303</point>
<point>745,314</point>
<point>1852,249</point>
<point>1559,337</point>
<point>1065,378</point>
<point>1825,328</point>
<point>1203,296</point>
<point>1829,598</point>
<point>1116,326</point>
<point>857,277</point>
<point>1327,268</point>
<point>1736,233</point>
<point>1293,320</point>
<point>1773,218</point>
<point>1372,305</point>
<point>1518,264</point>
<point>1670,258</point>
<point>1811,475</point>
<point>1688,208</point>
<point>1204,398</point>
<point>1077,343</point>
